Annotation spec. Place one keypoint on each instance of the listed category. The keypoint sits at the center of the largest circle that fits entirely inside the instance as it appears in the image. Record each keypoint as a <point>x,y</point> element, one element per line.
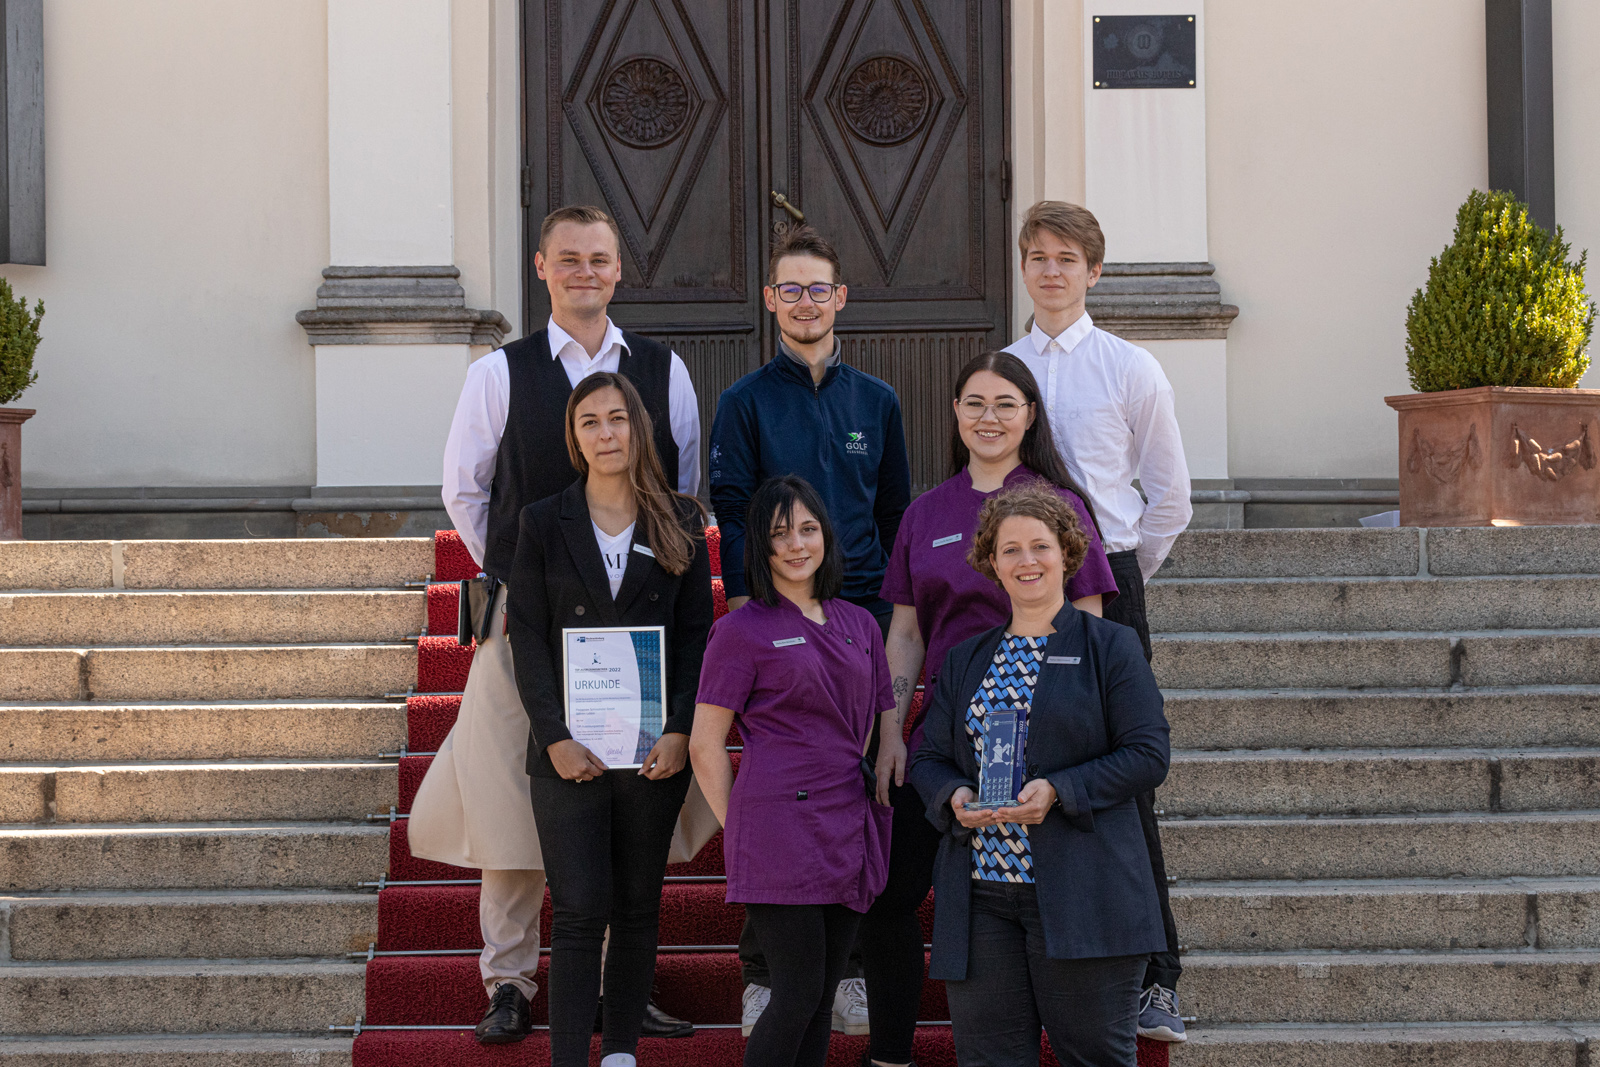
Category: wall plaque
<point>1144,52</point>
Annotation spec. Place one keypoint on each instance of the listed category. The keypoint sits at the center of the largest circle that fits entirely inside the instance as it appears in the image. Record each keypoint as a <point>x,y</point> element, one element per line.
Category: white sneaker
<point>756,998</point>
<point>850,1007</point>
<point>619,1059</point>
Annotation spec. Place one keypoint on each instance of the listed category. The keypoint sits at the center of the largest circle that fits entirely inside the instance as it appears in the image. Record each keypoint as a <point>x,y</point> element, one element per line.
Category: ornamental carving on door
<point>645,102</point>
<point>884,100</point>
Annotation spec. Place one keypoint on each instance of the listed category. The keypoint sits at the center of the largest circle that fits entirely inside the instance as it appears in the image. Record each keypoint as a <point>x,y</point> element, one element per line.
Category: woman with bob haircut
<point>999,438</point>
<point>616,548</point>
<point>1046,907</point>
<point>801,672</point>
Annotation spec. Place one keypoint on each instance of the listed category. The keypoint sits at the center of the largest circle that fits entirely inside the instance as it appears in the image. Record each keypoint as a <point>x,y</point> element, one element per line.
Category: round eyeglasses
<point>789,292</point>
<point>1005,410</point>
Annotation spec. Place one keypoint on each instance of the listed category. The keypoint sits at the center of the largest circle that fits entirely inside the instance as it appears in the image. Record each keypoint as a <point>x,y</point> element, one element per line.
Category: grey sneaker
<point>850,1007</point>
<point>756,998</point>
<point>1158,1015</point>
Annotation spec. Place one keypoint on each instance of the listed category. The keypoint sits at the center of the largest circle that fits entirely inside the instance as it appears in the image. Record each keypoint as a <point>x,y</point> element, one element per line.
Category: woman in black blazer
<point>616,548</point>
<point>1044,909</point>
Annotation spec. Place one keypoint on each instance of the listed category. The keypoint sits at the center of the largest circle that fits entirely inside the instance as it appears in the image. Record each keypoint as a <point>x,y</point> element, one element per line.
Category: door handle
<point>779,200</point>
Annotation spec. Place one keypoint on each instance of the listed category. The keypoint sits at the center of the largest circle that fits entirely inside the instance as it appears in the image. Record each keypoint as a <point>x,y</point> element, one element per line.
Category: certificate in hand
<point>616,681</point>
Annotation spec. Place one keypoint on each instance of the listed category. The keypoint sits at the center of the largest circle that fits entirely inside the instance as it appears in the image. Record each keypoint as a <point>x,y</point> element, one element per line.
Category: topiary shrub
<point>19,337</point>
<point>1502,305</point>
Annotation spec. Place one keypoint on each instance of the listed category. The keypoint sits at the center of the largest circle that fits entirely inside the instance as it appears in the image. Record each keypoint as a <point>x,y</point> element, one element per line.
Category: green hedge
<point>19,337</point>
<point>1502,305</point>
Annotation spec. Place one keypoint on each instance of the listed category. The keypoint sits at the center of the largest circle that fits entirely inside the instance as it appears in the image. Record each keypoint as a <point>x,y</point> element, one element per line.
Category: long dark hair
<point>773,504</point>
<point>659,504</point>
<point>1038,452</point>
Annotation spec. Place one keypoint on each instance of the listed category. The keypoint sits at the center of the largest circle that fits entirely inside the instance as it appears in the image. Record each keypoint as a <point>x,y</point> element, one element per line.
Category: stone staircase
<point>1384,806</point>
<point>191,734</point>
<point>1383,813</point>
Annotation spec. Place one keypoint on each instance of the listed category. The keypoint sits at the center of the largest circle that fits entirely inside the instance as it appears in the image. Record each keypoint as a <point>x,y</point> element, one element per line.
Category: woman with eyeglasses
<point>1001,439</point>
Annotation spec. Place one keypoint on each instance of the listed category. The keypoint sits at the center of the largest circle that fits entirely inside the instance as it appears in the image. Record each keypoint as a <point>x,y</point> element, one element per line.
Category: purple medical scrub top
<point>801,829</point>
<point>928,570</point>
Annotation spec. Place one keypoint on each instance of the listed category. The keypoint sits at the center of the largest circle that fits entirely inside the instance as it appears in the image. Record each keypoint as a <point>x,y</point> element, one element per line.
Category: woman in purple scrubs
<point>802,674</point>
<point>1001,438</point>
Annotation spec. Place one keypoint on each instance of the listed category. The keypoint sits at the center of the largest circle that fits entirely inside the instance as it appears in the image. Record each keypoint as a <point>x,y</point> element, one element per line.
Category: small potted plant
<point>1498,434</point>
<point>19,338</point>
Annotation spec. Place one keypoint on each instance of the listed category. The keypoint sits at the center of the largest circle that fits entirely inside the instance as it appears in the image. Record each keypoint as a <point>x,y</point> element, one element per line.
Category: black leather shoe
<point>657,1023</point>
<point>508,1019</point>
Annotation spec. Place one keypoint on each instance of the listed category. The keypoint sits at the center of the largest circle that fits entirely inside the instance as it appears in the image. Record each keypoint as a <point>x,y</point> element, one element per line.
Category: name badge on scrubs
<point>942,541</point>
<point>1069,660</point>
<point>787,641</point>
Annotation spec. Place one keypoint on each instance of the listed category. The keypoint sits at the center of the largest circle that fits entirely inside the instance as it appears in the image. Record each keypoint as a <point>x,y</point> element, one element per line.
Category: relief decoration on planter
<point>1551,464</point>
<point>1444,465</point>
<point>645,102</point>
<point>884,100</point>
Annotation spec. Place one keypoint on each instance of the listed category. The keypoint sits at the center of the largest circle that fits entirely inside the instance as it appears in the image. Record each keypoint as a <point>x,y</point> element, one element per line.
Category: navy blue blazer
<point>1097,733</point>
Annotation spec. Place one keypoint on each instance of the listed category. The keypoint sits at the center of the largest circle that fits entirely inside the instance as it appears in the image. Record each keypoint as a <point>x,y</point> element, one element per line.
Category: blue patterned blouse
<point>1000,853</point>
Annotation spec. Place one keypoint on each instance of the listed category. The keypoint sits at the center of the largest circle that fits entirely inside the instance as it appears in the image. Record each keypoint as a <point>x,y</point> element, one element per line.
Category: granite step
<point>223,672</point>
<point>159,997</point>
<point>211,617</point>
<point>268,563</point>
<point>1370,915</point>
<point>1503,845</point>
<point>186,731</point>
<point>1379,781</point>
<point>1395,718</point>
<point>195,792</point>
<point>1365,604</point>
<point>201,1050</point>
<point>218,924</point>
<point>1397,987</point>
<point>1513,1044</point>
<point>1386,659</point>
<point>197,856</point>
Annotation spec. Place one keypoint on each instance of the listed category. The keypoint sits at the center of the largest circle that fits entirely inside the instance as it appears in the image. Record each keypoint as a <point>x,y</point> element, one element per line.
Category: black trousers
<point>605,852</point>
<point>752,965</point>
<point>892,956</point>
<point>1128,609</point>
<point>807,947</point>
<point>1090,1008</point>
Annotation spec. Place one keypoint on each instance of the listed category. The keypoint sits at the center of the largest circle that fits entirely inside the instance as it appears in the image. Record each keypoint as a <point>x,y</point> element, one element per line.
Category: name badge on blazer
<point>787,641</point>
<point>940,542</point>
<point>644,550</point>
<point>1069,660</point>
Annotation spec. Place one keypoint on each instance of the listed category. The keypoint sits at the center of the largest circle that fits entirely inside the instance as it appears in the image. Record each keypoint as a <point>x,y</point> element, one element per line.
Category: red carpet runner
<point>697,976</point>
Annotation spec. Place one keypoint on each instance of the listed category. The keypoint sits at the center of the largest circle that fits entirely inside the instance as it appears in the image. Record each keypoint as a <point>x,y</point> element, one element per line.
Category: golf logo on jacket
<point>856,442</point>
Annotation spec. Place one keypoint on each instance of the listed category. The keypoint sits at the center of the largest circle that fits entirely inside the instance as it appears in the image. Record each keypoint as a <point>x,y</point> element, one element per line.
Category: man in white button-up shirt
<point>1111,411</point>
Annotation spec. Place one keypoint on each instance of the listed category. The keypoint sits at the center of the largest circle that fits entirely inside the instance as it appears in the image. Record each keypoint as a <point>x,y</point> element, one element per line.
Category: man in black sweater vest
<point>507,449</point>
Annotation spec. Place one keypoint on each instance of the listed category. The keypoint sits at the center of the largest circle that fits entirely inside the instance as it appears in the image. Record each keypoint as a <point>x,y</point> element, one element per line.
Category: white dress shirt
<point>473,447</point>
<point>1111,411</point>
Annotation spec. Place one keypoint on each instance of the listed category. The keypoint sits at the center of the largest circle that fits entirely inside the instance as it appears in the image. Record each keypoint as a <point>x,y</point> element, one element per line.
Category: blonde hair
<point>583,215</point>
<point>1032,500</point>
<point>1068,222</point>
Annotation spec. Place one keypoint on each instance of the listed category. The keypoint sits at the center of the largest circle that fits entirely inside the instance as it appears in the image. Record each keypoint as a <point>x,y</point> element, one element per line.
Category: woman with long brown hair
<point>618,548</point>
<point>1000,438</point>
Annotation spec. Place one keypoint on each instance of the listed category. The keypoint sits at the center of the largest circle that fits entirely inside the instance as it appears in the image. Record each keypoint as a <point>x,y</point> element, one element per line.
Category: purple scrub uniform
<point>801,828</point>
<point>928,569</point>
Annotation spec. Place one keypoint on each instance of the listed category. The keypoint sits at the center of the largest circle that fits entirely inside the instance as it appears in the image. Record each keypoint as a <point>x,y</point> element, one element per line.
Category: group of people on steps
<point>1017,585</point>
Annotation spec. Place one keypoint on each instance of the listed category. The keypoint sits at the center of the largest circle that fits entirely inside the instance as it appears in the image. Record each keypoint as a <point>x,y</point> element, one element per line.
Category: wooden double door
<point>881,121</point>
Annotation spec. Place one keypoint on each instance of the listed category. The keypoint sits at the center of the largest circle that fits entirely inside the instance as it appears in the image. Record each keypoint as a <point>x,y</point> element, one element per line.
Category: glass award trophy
<point>997,774</point>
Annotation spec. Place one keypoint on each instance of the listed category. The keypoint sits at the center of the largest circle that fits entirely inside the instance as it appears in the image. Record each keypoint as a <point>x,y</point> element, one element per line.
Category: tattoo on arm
<point>902,686</point>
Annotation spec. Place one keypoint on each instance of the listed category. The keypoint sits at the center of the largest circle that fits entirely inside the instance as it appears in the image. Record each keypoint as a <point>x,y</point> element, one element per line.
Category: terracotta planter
<point>11,420</point>
<point>1499,456</point>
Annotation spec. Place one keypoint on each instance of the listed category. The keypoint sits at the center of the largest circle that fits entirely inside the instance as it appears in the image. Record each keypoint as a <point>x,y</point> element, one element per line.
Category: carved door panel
<point>893,144</point>
<point>882,120</point>
<point>646,108</point>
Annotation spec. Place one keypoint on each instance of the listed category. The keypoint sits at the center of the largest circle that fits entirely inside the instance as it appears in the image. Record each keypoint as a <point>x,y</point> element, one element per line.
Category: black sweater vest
<point>532,462</point>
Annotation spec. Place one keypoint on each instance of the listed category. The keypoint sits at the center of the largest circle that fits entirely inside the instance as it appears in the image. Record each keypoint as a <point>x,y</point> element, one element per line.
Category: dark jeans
<point>1090,1008</point>
<point>605,852</point>
<point>807,947</point>
<point>752,967</point>
<point>892,955</point>
<point>1128,609</point>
